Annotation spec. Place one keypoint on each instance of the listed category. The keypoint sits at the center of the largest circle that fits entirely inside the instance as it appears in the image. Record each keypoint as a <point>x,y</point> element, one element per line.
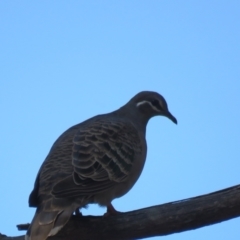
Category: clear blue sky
<point>65,61</point>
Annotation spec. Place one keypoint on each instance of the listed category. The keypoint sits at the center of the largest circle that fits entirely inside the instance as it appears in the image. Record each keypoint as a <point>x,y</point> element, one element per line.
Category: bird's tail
<point>47,223</point>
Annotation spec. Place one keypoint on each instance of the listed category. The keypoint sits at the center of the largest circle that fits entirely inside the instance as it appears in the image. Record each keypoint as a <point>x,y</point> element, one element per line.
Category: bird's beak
<point>171,117</point>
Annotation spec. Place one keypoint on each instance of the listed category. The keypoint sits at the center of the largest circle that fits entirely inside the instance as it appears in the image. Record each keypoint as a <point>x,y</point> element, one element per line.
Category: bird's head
<point>149,104</point>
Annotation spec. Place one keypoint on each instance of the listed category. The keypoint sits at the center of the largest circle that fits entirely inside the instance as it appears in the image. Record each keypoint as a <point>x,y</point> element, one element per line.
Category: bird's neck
<point>133,116</point>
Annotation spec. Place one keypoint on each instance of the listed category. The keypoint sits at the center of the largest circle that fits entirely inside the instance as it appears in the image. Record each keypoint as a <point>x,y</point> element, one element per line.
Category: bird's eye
<point>156,104</point>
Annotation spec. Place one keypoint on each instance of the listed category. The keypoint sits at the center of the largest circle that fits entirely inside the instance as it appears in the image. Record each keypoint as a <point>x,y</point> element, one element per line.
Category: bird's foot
<point>111,211</point>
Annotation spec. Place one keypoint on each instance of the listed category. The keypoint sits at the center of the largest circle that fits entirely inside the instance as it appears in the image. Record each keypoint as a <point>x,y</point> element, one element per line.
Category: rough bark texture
<point>158,220</point>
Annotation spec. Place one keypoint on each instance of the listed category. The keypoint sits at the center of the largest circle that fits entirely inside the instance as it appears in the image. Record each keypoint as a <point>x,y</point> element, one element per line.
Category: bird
<point>95,161</point>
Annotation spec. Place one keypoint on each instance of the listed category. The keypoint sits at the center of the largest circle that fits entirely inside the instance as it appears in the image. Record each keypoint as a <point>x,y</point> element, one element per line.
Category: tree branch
<point>158,220</point>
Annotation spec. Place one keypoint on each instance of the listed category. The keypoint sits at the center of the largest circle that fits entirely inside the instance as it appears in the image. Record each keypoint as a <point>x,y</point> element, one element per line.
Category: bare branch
<point>158,220</point>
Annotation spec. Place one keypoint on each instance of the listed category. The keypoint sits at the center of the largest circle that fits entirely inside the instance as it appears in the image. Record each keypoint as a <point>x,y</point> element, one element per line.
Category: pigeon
<point>95,161</point>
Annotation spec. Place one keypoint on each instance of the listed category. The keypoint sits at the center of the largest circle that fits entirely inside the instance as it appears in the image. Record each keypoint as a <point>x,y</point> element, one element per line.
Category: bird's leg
<point>78,213</point>
<point>111,210</point>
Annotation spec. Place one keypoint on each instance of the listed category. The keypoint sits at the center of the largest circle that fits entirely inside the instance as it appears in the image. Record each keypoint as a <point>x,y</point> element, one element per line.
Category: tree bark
<point>173,217</point>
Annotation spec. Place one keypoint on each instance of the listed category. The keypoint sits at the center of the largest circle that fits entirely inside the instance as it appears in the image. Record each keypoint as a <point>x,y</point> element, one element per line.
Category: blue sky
<point>65,61</point>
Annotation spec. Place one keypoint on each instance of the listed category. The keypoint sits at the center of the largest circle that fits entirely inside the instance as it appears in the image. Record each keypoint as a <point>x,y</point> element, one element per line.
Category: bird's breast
<point>121,188</point>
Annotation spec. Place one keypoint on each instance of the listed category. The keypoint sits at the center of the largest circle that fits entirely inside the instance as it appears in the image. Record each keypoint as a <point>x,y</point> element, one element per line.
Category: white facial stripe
<point>144,102</point>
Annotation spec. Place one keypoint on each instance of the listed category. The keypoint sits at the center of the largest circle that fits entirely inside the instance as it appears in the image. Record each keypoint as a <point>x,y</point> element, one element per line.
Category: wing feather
<point>103,153</point>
